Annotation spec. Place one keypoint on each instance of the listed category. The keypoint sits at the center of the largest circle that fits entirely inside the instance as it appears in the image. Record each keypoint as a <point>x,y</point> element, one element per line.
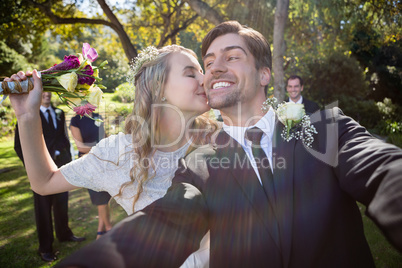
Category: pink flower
<point>82,79</point>
<point>70,62</point>
<point>84,109</point>
<point>89,53</point>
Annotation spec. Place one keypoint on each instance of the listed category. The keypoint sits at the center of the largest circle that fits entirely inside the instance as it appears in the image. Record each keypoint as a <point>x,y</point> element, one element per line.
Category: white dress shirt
<point>266,124</point>
<point>300,101</point>
<point>43,109</point>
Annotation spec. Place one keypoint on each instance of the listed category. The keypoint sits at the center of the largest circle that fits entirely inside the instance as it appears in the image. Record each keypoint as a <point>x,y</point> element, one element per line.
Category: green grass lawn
<point>18,239</point>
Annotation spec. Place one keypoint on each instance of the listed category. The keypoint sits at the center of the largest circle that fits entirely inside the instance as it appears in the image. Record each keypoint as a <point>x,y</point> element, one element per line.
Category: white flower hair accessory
<point>148,54</point>
<point>293,116</point>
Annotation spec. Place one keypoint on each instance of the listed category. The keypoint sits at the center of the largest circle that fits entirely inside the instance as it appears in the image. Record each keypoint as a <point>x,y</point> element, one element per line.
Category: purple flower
<point>82,79</point>
<point>89,53</point>
<point>70,62</point>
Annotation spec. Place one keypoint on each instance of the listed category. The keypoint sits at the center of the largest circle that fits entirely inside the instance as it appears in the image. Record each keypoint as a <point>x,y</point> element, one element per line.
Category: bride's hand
<point>26,104</point>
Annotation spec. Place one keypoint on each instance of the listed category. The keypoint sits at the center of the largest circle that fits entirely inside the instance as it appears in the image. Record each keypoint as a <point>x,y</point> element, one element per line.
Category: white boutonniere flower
<point>58,114</point>
<point>293,117</point>
<point>97,121</point>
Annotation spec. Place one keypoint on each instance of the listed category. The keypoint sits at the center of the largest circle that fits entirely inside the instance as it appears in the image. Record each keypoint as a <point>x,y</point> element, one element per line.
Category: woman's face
<point>184,87</point>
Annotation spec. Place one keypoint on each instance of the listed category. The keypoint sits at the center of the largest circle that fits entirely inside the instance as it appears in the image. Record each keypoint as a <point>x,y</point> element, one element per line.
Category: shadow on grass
<point>18,237</point>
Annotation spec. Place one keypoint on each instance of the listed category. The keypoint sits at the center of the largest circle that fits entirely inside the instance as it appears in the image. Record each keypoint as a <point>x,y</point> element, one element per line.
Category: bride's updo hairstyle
<point>149,73</point>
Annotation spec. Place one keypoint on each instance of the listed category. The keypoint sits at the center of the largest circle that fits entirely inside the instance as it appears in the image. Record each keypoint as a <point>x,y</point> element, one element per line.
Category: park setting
<point>348,54</point>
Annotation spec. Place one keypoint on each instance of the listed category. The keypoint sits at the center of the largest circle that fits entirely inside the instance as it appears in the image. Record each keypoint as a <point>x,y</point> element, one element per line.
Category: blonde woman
<point>137,167</point>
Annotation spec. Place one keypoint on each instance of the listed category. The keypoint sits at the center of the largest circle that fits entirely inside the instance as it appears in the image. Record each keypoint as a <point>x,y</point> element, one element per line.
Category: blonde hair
<point>150,80</point>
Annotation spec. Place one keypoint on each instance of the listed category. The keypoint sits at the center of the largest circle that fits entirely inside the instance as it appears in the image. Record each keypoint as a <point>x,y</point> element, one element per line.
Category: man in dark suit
<point>297,211</point>
<point>58,145</point>
<point>294,88</point>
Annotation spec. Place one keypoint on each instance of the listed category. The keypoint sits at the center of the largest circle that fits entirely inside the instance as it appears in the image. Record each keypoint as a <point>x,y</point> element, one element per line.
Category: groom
<point>300,211</point>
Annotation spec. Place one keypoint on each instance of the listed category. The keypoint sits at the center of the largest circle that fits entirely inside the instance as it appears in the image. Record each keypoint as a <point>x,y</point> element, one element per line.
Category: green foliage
<point>10,61</point>
<point>123,111</point>
<point>363,111</point>
<point>7,119</point>
<point>396,139</point>
<point>339,78</point>
<point>258,14</point>
<point>124,93</point>
<point>335,76</point>
<point>391,123</point>
<point>383,61</point>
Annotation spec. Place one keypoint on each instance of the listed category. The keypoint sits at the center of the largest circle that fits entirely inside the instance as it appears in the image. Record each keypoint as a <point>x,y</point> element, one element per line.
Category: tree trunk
<point>205,11</point>
<point>128,47</point>
<point>281,16</point>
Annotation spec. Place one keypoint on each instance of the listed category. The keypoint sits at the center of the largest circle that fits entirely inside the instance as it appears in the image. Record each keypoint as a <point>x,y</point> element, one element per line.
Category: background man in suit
<point>302,215</point>
<point>294,88</point>
<point>58,145</point>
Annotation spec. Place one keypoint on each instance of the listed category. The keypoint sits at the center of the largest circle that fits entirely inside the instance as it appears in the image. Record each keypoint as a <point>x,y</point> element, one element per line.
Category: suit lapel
<point>283,162</point>
<point>245,176</point>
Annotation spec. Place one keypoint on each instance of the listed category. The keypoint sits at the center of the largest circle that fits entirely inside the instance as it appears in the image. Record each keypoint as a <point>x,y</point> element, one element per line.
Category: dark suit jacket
<point>309,106</point>
<point>55,140</point>
<point>319,222</point>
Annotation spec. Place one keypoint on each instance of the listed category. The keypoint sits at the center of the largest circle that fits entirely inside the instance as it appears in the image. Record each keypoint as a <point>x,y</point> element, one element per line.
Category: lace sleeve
<point>89,171</point>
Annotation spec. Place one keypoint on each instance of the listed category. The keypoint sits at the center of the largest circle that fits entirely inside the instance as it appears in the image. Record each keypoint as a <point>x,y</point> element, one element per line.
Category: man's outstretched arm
<point>163,234</point>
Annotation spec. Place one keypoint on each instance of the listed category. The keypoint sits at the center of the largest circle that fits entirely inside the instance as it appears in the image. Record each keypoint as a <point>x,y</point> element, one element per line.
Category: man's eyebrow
<point>225,50</point>
<point>234,47</point>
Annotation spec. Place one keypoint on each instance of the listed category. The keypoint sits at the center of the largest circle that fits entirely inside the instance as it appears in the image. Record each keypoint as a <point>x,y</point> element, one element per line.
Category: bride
<point>169,119</point>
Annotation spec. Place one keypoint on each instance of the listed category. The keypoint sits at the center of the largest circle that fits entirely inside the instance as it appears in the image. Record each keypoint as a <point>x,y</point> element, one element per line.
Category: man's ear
<point>265,76</point>
<point>301,89</point>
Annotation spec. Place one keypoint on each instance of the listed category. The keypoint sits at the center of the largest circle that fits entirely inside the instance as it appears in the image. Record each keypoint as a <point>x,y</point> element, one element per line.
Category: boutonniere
<point>97,121</point>
<point>293,117</point>
<point>58,114</point>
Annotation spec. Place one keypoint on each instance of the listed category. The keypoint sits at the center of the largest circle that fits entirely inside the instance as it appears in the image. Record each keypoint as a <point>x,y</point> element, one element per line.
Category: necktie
<point>50,120</point>
<point>254,135</point>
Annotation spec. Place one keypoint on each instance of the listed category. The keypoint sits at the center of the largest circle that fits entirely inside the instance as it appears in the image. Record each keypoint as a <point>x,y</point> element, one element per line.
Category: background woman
<point>87,133</point>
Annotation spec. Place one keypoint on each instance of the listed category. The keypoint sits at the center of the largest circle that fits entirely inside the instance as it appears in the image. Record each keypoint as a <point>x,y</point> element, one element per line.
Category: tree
<point>339,78</point>
<point>281,16</point>
<point>10,61</point>
<point>320,28</point>
<point>166,18</point>
<point>205,11</point>
<point>47,9</point>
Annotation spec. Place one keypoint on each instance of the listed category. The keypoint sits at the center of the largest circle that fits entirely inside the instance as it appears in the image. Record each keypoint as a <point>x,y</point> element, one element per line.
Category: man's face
<point>231,76</point>
<point>46,99</point>
<point>294,89</point>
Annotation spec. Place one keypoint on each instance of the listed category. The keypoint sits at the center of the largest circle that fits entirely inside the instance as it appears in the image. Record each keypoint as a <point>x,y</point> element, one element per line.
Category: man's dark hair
<point>292,77</point>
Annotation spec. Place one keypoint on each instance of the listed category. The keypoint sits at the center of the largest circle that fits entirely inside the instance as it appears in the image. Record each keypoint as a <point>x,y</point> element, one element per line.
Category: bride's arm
<point>43,174</point>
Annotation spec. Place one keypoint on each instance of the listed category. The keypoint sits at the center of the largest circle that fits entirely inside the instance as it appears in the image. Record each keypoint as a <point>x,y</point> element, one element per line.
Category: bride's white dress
<point>108,166</point>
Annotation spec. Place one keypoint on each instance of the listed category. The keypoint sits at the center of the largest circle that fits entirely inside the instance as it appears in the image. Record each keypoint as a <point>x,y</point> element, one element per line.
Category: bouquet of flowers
<point>75,81</point>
